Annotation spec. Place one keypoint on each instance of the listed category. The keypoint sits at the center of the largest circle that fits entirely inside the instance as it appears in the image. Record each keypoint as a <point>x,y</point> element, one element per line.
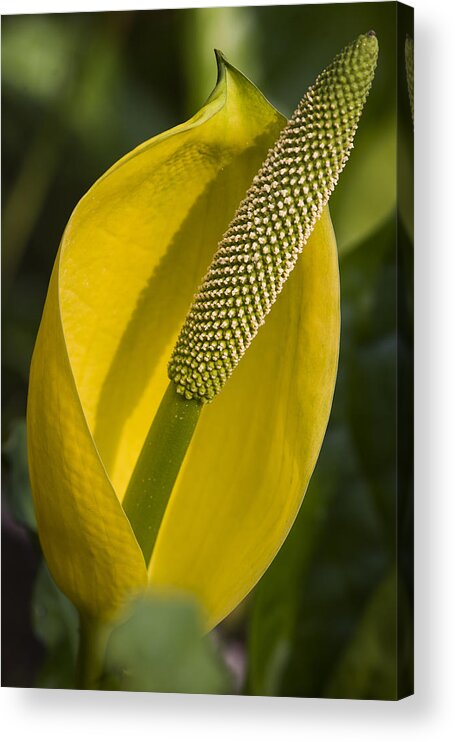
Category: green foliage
<point>55,623</point>
<point>371,171</point>
<point>368,664</point>
<point>18,495</point>
<point>160,647</point>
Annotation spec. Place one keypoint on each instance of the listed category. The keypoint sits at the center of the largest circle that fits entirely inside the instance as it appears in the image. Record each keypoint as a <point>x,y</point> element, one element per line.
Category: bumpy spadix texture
<point>263,242</point>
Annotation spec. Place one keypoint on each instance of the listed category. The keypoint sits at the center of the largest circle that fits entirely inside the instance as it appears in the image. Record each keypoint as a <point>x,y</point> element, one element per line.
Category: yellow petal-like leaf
<point>88,543</point>
<point>131,259</point>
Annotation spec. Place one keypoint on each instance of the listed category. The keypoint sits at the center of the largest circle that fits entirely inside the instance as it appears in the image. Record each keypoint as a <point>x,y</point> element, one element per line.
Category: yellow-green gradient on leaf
<point>131,259</point>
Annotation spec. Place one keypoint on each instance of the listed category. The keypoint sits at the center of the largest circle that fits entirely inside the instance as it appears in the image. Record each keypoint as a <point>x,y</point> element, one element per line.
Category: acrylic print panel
<point>207,486</point>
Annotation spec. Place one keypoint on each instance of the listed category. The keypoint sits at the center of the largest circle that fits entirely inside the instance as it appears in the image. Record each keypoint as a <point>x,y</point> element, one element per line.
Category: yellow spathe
<point>132,257</point>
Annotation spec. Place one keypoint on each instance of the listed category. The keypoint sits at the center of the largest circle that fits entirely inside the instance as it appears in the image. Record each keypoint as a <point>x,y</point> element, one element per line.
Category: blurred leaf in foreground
<point>160,647</point>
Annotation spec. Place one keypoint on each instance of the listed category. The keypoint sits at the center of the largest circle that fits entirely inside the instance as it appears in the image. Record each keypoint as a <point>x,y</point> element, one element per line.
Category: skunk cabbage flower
<point>113,332</point>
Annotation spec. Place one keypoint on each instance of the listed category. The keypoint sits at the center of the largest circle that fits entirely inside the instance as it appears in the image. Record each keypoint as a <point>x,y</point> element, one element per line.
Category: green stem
<point>93,637</point>
<point>158,465</point>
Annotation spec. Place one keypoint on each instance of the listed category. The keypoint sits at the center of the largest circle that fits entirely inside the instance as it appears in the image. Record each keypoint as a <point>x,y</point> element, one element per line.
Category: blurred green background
<point>333,614</point>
